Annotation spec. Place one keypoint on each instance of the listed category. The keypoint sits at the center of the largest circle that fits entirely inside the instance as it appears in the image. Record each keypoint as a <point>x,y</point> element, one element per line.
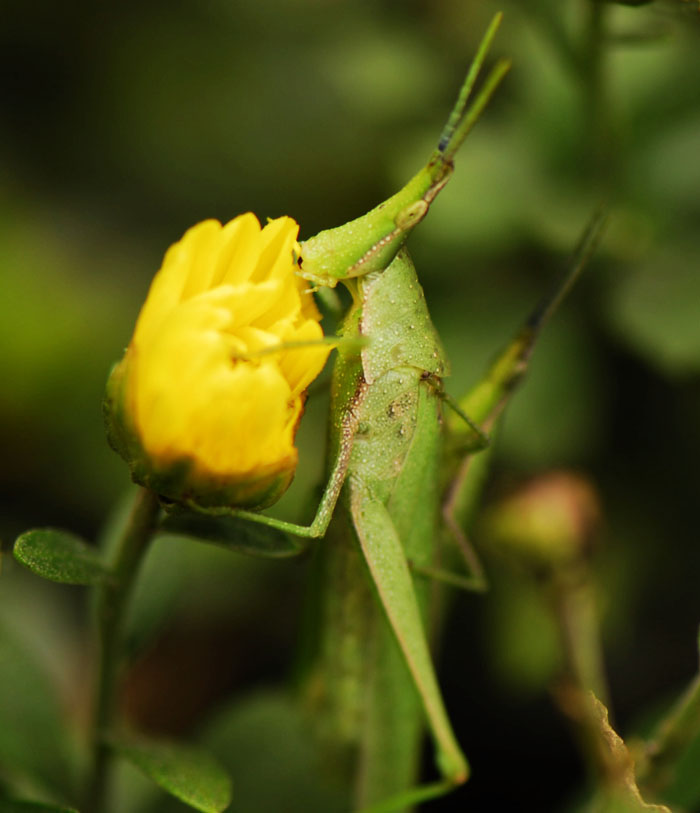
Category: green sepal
<point>120,434</point>
<point>59,556</point>
<point>234,534</point>
<point>190,774</point>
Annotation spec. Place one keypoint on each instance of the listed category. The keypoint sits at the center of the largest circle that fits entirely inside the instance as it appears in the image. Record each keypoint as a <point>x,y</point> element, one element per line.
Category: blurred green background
<point>124,124</point>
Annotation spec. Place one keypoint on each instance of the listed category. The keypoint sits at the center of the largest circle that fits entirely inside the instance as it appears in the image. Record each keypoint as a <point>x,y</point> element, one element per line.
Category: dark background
<point>123,124</point>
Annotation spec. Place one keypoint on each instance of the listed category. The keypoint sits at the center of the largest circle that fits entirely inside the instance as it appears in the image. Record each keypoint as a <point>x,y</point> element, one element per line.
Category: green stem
<point>584,58</point>
<point>112,600</point>
<point>595,95</point>
<point>548,16</point>
<point>577,619</point>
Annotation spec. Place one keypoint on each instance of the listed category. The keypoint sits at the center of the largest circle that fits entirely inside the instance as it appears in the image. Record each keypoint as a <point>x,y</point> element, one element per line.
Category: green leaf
<point>21,806</point>
<point>59,556</point>
<point>619,792</point>
<point>188,773</point>
<point>684,791</point>
<point>655,309</point>
<point>235,534</point>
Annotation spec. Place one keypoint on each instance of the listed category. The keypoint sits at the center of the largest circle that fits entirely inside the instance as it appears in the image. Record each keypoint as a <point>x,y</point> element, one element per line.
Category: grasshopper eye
<point>412,214</point>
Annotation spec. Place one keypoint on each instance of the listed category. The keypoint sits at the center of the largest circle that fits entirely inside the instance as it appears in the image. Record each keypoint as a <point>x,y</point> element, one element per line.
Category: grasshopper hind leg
<point>390,573</point>
<point>476,580</point>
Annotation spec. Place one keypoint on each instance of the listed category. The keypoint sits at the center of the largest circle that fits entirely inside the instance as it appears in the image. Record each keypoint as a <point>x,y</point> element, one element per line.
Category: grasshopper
<point>386,446</point>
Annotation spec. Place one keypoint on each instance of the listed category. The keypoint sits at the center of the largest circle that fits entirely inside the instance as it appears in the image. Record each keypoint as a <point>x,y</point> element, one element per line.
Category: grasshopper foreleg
<point>334,486</point>
<point>490,396</point>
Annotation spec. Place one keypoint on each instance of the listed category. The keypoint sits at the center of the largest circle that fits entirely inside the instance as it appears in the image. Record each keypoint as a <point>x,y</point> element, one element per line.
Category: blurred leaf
<point>685,789</point>
<point>186,772</point>
<point>21,806</point>
<point>269,729</point>
<point>59,556</point>
<point>556,414</point>
<point>380,73</point>
<point>670,169</point>
<point>33,738</point>
<point>655,309</point>
<point>51,296</point>
<point>523,640</point>
<point>238,535</point>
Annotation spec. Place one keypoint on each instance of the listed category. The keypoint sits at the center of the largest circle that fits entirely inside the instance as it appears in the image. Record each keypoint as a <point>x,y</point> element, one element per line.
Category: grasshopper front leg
<point>329,499</point>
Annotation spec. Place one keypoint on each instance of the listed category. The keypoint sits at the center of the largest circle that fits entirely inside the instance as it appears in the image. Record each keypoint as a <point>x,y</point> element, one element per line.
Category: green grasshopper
<point>386,444</point>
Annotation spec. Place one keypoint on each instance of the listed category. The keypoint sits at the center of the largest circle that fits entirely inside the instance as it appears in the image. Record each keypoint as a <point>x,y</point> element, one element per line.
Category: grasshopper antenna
<point>463,118</point>
<point>485,401</point>
<point>587,245</point>
<point>510,367</point>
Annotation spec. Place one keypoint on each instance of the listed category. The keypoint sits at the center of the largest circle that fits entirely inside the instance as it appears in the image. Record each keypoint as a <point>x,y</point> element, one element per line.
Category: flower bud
<point>205,404</point>
<point>548,522</point>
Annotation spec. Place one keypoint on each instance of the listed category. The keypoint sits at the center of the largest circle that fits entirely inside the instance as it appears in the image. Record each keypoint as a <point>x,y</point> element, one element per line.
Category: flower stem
<point>584,685</point>
<point>112,600</point>
<point>577,618</point>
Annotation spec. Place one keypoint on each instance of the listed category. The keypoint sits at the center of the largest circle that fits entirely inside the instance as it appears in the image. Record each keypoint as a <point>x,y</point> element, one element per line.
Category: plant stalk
<point>584,683</point>
<point>596,104</point>
<point>112,600</point>
<point>577,618</point>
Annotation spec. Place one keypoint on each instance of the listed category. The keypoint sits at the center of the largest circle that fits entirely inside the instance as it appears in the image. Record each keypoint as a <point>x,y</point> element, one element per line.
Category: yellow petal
<point>173,279</point>
<point>278,239</point>
<point>198,250</point>
<point>301,365</point>
<point>240,251</point>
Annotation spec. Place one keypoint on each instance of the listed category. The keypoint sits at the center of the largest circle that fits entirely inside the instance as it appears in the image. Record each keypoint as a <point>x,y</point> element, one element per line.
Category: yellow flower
<point>206,401</point>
